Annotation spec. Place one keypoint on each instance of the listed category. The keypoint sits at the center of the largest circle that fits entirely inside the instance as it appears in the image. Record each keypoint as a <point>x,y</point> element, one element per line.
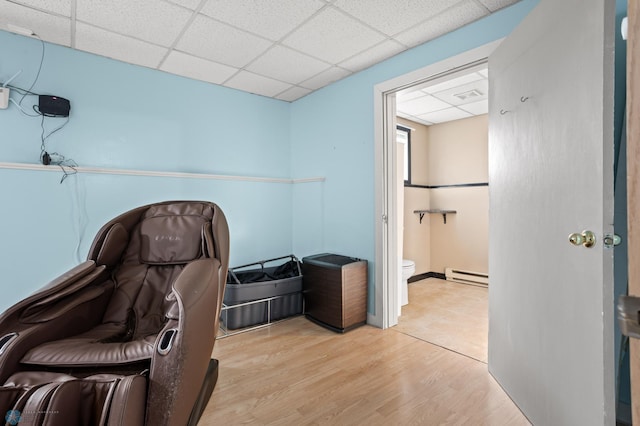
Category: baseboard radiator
<point>466,277</point>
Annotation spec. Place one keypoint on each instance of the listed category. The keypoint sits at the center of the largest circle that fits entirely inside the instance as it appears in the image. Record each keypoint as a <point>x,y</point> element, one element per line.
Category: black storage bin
<point>262,294</point>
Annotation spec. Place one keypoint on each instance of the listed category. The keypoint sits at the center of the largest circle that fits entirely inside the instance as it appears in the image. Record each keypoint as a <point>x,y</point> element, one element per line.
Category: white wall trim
<point>385,287</point>
<point>179,175</point>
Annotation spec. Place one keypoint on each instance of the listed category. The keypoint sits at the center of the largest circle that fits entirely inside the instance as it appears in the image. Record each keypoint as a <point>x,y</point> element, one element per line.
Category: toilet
<point>408,269</point>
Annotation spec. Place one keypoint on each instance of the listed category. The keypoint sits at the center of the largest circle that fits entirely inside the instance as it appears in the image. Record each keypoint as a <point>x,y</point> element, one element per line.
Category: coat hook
<point>503,111</point>
<point>524,99</point>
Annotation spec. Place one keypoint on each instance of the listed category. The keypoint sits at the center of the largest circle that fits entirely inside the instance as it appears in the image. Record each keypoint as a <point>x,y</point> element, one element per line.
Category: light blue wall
<point>332,135</point>
<point>129,117</point>
<point>125,116</point>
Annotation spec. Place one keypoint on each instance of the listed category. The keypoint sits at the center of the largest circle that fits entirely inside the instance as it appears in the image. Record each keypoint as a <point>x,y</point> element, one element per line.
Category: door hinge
<point>629,315</point>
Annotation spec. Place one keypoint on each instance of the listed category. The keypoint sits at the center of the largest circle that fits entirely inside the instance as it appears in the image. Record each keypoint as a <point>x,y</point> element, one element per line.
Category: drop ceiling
<point>451,98</point>
<point>283,49</point>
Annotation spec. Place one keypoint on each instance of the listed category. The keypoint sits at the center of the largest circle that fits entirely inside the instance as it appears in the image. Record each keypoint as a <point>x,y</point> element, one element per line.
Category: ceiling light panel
<point>449,20</point>
<point>373,55</point>
<point>116,46</point>
<point>467,93</point>
<point>332,36</point>
<point>61,7</point>
<point>55,29</point>
<point>405,13</point>
<point>154,21</point>
<point>221,43</point>
<point>257,84</point>
<point>272,19</point>
<point>287,65</point>
<point>197,68</point>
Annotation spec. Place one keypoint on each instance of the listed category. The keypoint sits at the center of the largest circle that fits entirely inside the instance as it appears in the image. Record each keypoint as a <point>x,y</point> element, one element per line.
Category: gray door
<point>550,175</point>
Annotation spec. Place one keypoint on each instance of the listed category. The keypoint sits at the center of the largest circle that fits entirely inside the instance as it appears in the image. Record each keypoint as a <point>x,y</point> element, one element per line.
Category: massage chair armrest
<point>69,305</point>
<point>55,286</point>
<point>183,348</point>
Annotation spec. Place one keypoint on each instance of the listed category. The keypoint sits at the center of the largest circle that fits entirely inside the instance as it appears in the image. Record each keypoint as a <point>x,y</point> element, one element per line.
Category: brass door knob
<point>586,239</point>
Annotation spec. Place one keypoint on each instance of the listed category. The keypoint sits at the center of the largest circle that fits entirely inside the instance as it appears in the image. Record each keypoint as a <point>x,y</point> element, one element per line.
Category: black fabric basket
<point>282,282</point>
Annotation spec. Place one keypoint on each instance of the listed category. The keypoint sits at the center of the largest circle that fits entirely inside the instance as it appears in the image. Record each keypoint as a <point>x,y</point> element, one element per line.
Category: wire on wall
<point>67,165</point>
<point>35,80</point>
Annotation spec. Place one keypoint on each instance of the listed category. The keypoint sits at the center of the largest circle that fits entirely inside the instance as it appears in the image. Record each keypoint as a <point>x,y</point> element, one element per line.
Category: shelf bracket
<point>444,213</point>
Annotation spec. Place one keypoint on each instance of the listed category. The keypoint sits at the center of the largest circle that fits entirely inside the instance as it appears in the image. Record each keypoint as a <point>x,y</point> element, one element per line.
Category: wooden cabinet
<point>335,291</point>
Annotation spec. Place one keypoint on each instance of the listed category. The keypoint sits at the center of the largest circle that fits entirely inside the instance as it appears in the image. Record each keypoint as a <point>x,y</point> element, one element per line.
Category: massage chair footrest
<point>44,398</point>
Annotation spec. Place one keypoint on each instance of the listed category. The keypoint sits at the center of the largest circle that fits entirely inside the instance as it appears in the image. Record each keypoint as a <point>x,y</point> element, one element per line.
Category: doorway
<point>388,245</point>
<point>443,163</point>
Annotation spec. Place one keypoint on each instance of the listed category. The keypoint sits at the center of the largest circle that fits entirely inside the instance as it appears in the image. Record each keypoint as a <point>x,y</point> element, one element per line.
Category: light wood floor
<point>297,373</point>
<point>448,314</point>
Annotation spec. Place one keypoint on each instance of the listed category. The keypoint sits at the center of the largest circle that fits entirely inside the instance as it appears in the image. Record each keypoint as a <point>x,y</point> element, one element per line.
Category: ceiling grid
<point>284,49</point>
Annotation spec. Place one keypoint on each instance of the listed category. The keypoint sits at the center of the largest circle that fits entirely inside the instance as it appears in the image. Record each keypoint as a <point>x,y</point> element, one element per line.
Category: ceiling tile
<point>332,36</point>
<point>257,84</point>
<point>150,20</point>
<point>444,115</point>
<point>408,94</point>
<point>471,92</point>
<point>476,108</point>
<point>371,56</point>
<point>272,19</point>
<point>456,16</point>
<point>414,119</point>
<point>454,82</point>
<point>287,65</point>
<point>197,68</point>
<point>61,7</point>
<point>189,4</point>
<point>421,105</point>
<point>326,77</point>
<point>494,5</point>
<point>405,13</point>
<point>54,29</point>
<point>221,43</point>
<point>293,93</point>
<point>116,46</point>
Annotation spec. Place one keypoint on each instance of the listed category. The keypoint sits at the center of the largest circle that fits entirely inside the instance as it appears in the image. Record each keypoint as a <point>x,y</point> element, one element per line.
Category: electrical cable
<point>43,138</point>
<point>38,73</point>
<point>22,91</point>
<point>67,165</point>
<point>21,110</point>
<point>80,211</point>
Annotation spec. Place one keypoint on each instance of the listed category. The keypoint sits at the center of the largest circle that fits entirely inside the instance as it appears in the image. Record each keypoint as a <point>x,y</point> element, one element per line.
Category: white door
<point>550,175</point>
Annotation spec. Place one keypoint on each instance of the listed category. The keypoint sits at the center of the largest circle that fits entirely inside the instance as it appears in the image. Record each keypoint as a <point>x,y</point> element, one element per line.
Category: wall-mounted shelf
<point>444,213</point>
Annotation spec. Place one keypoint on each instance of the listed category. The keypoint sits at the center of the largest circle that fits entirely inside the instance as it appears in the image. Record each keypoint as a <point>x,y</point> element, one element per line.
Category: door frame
<point>633,190</point>
<point>386,248</point>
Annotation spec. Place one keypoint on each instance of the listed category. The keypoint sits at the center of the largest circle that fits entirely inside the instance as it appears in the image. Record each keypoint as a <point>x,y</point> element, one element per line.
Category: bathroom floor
<point>447,314</point>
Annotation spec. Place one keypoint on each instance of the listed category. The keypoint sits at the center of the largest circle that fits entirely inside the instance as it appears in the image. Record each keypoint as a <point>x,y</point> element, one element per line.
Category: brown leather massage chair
<point>126,337</point>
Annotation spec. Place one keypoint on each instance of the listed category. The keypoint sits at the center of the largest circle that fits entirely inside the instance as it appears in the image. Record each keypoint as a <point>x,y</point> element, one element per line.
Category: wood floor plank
<point>297,373</point>
<point>448,314</point>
